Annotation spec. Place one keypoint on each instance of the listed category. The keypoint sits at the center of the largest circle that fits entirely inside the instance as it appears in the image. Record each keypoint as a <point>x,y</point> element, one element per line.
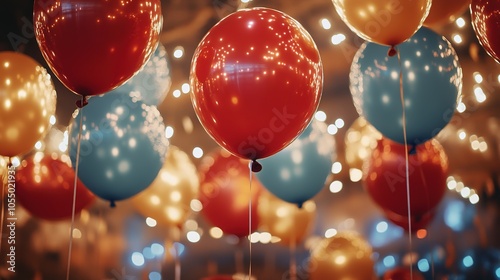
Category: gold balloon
<point>285,220</point>
<point>445,11</point>
<point>360,139</point>
<point>345,256</point>
<point>382,21</point>
<point>168,198</point>
<point>27,102</point>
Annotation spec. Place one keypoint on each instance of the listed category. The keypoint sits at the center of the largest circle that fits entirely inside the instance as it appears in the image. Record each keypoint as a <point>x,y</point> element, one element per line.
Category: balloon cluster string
<point>72,227</point>
<point>401,92</point>
<point>250,220</point>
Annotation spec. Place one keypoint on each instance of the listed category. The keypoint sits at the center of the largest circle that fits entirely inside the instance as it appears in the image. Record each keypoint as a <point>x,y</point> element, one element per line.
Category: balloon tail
<point>407,172</point>
<point>112,204</point>
<point>82,102</point>
<point>72,227</point>
<point>255,167</point>
<point>392,51</point>
<point>413,150</point>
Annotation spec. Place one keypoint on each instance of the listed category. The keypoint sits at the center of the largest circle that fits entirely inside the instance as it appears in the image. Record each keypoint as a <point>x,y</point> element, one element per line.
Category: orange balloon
<point>225,193</point>
<point>344,256</point>
<point>285,220</point>
<point>381,21</point>
<point>445,11</point>
<point>27,102</point>
<point>168,198</point>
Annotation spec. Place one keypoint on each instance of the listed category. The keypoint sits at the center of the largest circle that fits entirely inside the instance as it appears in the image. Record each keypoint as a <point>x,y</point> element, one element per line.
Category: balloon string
<point>401,92</point>
<point>250,221</point>
<point>293,262</point>
<point>72,227</point>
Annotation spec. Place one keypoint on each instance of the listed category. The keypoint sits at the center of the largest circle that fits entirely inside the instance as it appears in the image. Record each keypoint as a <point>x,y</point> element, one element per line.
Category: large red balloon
<point>386,179</point>
<point>95,46</point>
<point>225,193</point>
<point>256,80</point>
<point>44,187</point>
<point>486,23</point>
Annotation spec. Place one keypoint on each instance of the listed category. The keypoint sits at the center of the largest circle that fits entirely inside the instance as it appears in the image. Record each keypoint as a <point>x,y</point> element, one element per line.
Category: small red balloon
<point>225,193</point>
<point>256,80</point>
<point>45,185</point>
<point>486,23</point>
<point>95,46</point>
<point>386,177</point>
<point>403,273</point>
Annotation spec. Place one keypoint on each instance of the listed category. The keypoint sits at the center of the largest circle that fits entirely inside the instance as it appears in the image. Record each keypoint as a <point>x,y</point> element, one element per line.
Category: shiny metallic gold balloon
<point>344,256</point>
<point>360,139</point>
<point>285,220</point>
<point>168,198</point>
<point>27,103</point>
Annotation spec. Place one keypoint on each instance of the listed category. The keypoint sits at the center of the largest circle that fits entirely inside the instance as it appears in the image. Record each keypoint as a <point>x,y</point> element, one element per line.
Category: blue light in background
<point>468,261</point>
<point>423,265</point>
<point>137,259</point>
<point>381,233</point>
<point>154,275</point>
<point>148,254</point>
<point>157,249</point>
<point>389,261</point>
<point>458,214</point>
<point>497,272</point>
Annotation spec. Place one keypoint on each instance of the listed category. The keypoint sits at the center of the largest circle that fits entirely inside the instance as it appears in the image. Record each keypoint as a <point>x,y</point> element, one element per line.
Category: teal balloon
<point>122,147</point>
<point>299,172</point>
<point>431,83</point>
<point>153,81</point>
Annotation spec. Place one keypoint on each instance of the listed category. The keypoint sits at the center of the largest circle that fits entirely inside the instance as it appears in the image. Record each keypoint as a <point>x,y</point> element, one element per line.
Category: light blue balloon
<point>153,81</point>
<point>123,145</point>
<point>432,83</point>
<point>298,172</point>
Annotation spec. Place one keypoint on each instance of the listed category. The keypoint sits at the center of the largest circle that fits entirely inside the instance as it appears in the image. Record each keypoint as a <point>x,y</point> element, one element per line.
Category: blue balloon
<point>431,79</point>
<point>123,145</point>
<point>298,172</point>
<point>153,81</point>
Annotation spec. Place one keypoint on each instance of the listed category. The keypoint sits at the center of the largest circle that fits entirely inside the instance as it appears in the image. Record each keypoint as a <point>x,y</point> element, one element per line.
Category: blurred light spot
<point>457,38</point>
<point>332,129</point>
<point>382,227</point>
<point>421,233</point>
<point>196,205</point>
<point>187,124</point>
<point>340,260</point>
<point>52,120</point>
<point>478,77</point>
<point>468,261</point>
<point>460,22</point>
<point>336,167</point>
<point>216,232</point>
<point>320,116</point>
<point>77,233</point>
<point>193,236</point>
<point>265,237</point>
<point>157,249</point>
<point>355,174</point>
<point>330,232</point>
<point>465,192</point>
<point>197,152</point>
<point>176,93</point>
<point>177,249</point>
<point>254,237</point>
<point>339,123</point>
<point>38,145</point>
<point>461,107</point>
<point>389,261</point>
<point>146,252</point>
<point>185,88</point>
<point>191,225</point>
<point>178,52</point>
<point>150,222</point>
<point>169,132</point>
<point>462,134</point>
<point>154,275</point>
<point>474,198</point>
<point>423,265</point>
<point>338,38</point>
<point>479,94</point>
<point>452,184</point>
<point>497,272</point>
<point>325,23</point>
<point>137,259</point>
<point>336,186</point>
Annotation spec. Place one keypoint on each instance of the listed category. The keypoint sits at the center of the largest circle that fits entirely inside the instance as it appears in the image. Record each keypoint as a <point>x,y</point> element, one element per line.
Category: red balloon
<point>386,182</point>
<point>486,23</point>
<point>417,223</point>
<point>403,273</point>
<point>256,81</point>
<point>44,187</point>
<point>225,193</point>
<point>95,46</point>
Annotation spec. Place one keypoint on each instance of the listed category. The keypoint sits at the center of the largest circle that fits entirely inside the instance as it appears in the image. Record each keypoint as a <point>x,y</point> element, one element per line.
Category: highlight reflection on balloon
<point>381,21</point>
<point>28,102</point>
<point>344,256</point>
<point>360,140</point>
<point>168,198</point>
<point>485,20</point>
<point>256,80</point>
<point>285,220</point>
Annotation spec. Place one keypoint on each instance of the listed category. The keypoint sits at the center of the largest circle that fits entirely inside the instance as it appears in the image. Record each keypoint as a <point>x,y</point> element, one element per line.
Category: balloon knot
<point>413,150</point>
<point>112,204</point>
<point>392,51</point>
<point>82,102</point>
<point>256,166</point>
<point>300,204</point>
